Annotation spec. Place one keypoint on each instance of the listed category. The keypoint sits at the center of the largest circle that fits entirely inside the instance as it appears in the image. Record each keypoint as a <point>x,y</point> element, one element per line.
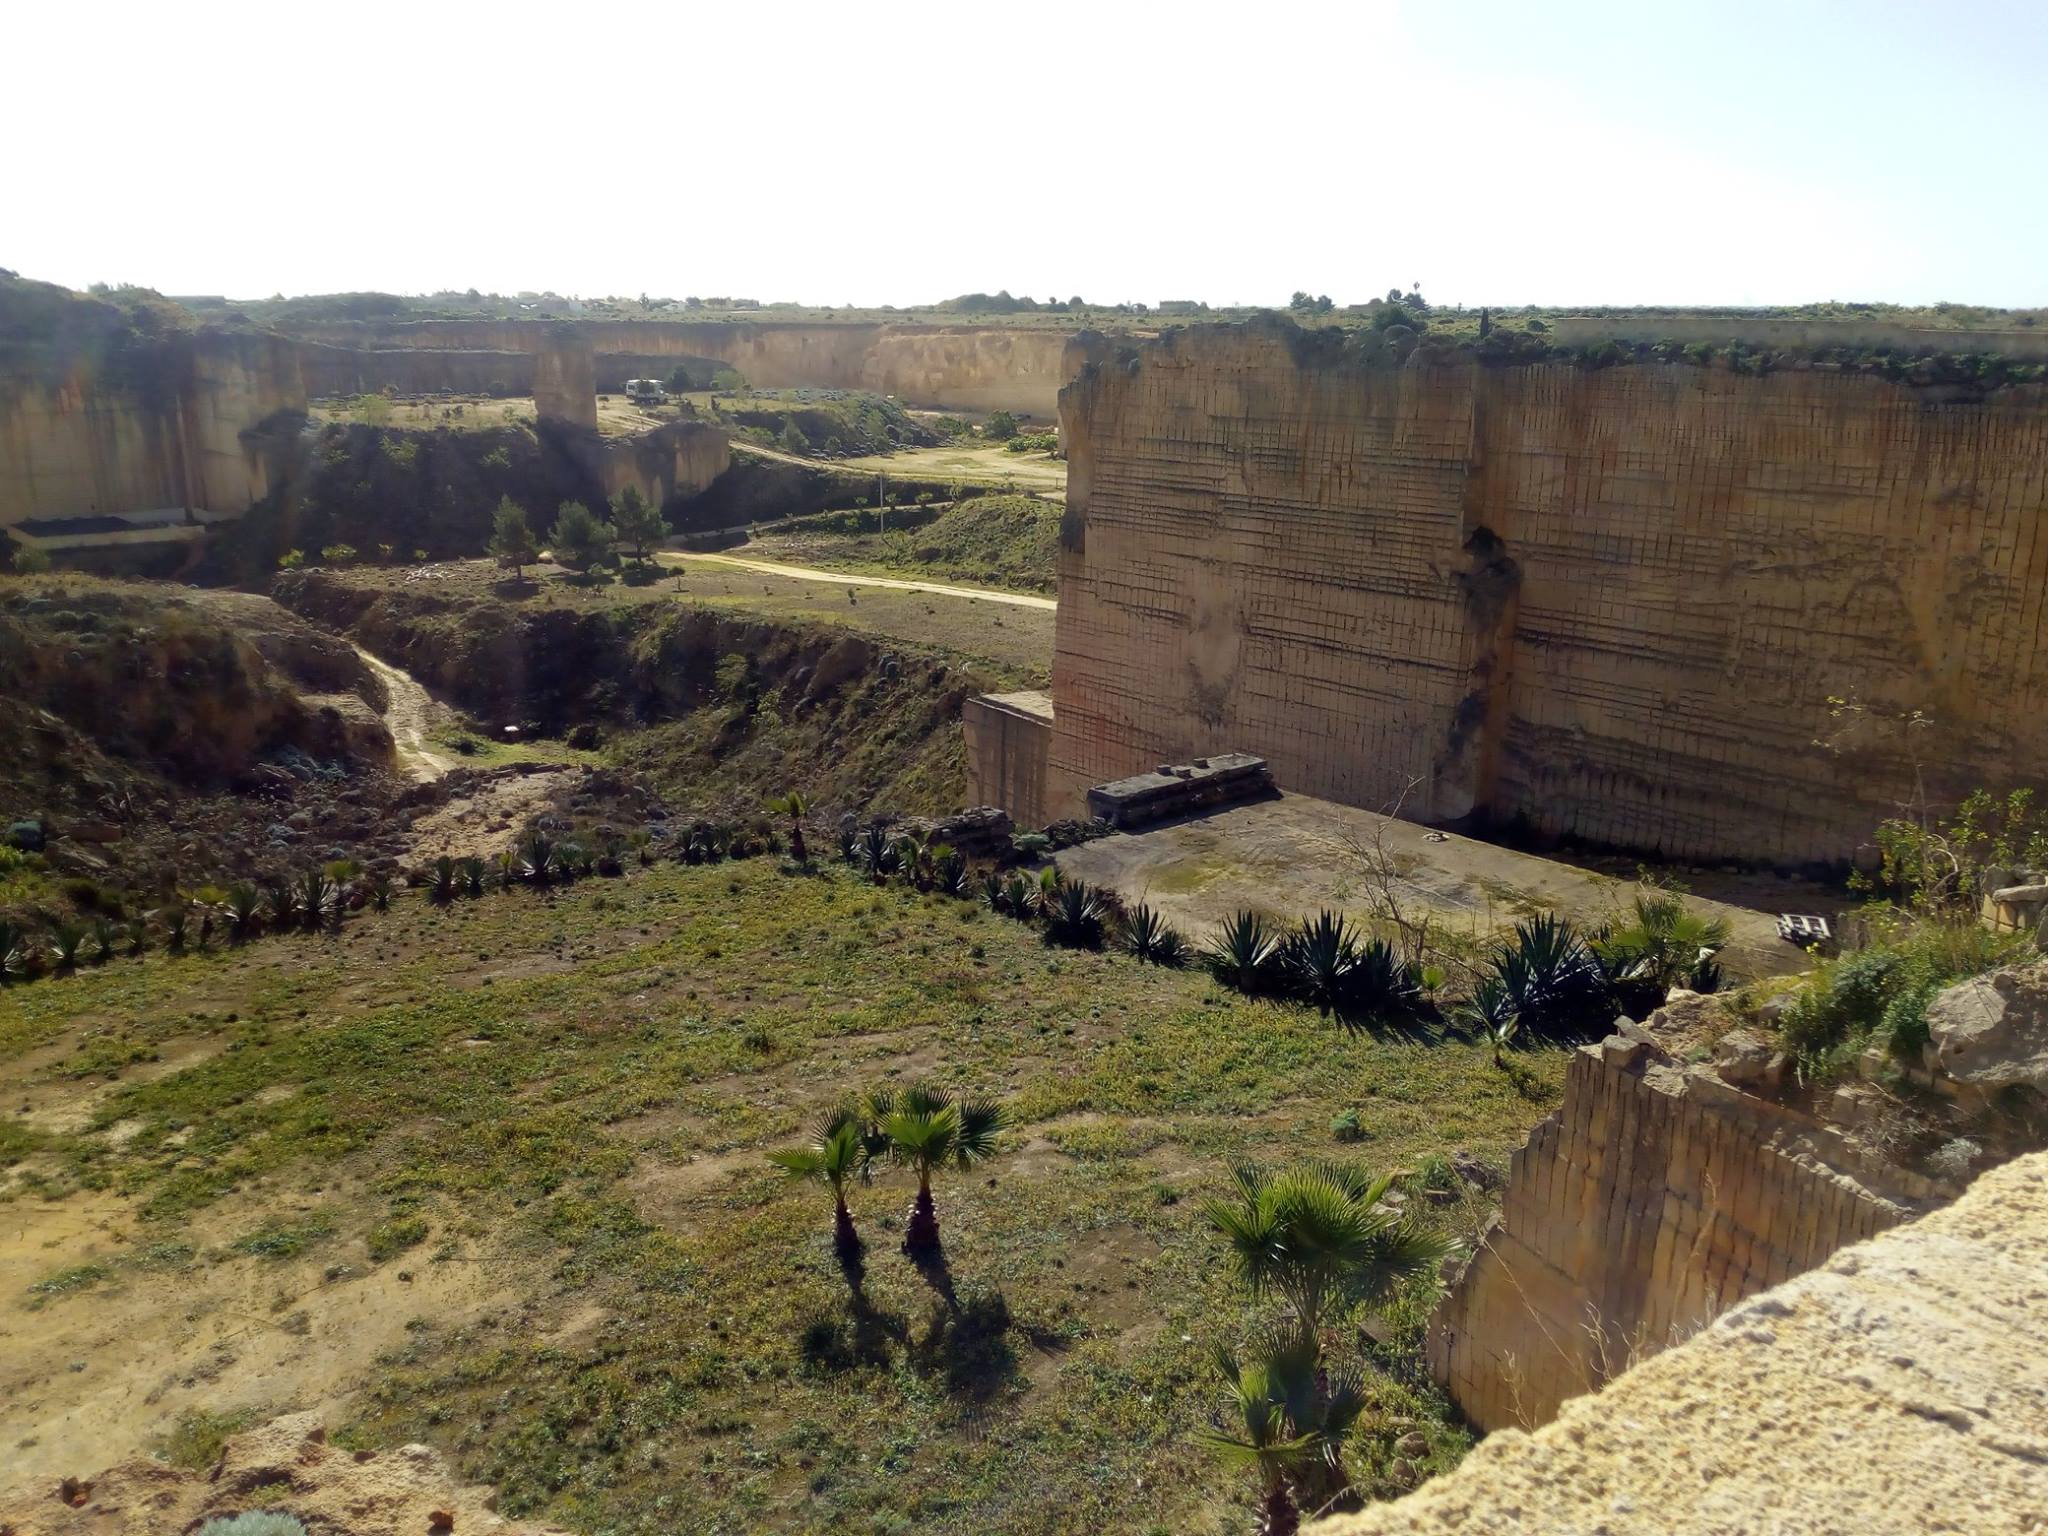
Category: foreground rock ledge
<point>286,1465</point>
<point>1900,1388</point>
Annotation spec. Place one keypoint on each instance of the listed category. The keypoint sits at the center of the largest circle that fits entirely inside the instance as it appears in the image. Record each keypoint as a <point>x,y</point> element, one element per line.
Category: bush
<point>1000,427</point>
<point>395,1236</point>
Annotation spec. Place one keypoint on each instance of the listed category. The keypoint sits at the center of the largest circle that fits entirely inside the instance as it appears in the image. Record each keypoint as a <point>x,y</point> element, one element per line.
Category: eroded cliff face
<point>972,368</point>
<point>182,433</point>
<point>1613,604</point>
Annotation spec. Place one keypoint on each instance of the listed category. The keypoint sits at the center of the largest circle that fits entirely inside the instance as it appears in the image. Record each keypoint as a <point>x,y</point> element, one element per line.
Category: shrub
<point>1001,426</point>
<point>1148,937</point>
<point>1345,1127</point>
<point>393,1237</point>
<point>1551,976</point>
<point>1245,955</point>
<point>1073,915</point>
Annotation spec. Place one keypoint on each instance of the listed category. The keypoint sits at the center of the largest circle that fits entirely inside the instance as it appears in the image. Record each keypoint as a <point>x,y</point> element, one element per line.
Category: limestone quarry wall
<point>671,462</point>
<point>1008,737</point>
<point>1896,1390</point>
<point>1613,603</point>
<point>1651,1202</point>
<point>1011,368</point>
<point>180,435</point>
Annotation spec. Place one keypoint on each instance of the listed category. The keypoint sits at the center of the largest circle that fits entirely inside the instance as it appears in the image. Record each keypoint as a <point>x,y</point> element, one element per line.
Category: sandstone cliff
<point>1612,603</point>
<point>1897,1389</point>
<point>1014,368</point>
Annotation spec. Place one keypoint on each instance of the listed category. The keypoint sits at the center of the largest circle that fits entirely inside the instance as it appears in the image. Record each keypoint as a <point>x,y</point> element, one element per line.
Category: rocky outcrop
<point>179,424</point>
<point>1656,1198</point>
<point>1613,603</point>
<point>1896,1390</point>
<point>286,1466</point>
<point>1991,1032</point>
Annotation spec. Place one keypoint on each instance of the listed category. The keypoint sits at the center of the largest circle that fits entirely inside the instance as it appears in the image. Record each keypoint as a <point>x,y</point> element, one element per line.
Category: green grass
<point>195,1440</point>
<point>995,541</point>
<point>585,1085</point>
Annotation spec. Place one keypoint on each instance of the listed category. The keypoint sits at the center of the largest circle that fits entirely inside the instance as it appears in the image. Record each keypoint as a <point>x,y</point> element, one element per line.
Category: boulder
<point>1992,1031</point>
<point>26,835</point>
<point>1747,1059</point>
<point>848,658</point>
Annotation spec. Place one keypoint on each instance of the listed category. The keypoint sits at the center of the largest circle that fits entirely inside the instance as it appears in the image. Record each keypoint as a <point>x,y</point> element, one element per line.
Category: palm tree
<point>795,807</point>
<point>1315,1228</point>
<point>1291,1421</point>
<point>926,1128</point>
<point>842,1146</point>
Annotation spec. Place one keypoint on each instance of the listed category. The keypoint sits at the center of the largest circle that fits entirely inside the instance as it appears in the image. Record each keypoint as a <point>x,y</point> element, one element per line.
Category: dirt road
<point>846,579</point>
<point>409,718</point>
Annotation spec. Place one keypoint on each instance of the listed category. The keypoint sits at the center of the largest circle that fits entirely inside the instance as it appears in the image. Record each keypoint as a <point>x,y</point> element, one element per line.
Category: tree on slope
<point>637,522</point>
<point>512,542</point>
<point>579,539</point>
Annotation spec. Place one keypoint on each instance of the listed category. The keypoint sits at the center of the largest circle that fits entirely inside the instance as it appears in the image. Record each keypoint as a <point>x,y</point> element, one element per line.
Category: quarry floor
<point>1294,855</point>
<point>493,1176</point>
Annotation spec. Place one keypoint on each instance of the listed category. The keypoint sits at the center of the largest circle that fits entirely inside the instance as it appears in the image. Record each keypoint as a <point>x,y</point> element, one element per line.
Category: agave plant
<point>949,873</point>
<point>1245,955</point>
<point>795,807</point>
<point>280,903</point>
<point>1147,936</point>
<point>380,890</point>
<point>1020,896</point>
<point>1490,1010</point>
<point>138,934</point>
<point>16,956</point>
<point>1381,982</point>
<point>1290,1417</point>
<point>244,908</point>
<point>991,888</point>
<point>1073,916</point>
<point>1318,959</point>
<point>106,938</point>
<point>177,918</point>
<point>1551,975</point>
<point>849,839</point>
<point>611,863</point>
<point>442,881</point>
<point>927,1128</point>
<point>67,942</point>
<point>1315,1228</point>
<point>471,874</point>
<point>537,858</point>
<point>840,1147</point>
<point>319,899</point>
<point>878,855</point>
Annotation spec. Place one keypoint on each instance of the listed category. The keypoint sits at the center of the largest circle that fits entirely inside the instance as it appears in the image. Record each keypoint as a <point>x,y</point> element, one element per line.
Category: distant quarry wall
<point>1610,603</point>
<point>1012,368</point>
<point>179,426</point>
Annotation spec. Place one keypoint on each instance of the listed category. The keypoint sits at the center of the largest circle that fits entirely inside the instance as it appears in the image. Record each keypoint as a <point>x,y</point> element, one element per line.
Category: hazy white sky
<point>1550,151</point>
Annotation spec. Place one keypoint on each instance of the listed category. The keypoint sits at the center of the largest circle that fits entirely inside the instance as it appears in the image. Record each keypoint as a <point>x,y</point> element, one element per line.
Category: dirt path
<point>412,709</point>
<point>844,579</point>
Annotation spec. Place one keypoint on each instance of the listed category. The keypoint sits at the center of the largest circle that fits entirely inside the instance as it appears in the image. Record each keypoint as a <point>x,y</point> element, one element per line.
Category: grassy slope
<point>577,1090</point>
<point>997,541</point>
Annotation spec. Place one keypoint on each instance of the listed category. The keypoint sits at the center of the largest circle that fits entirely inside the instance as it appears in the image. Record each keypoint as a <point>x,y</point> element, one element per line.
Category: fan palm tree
<point>841,1146</point>
<point>1316,1228</point>
<point>1291,1419</point>
<point>795,807</point>
<point>245,910</point>
<point>926,1128</point>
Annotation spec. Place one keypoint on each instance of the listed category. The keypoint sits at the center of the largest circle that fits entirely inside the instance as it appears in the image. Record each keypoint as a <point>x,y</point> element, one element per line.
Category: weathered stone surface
<point>285,1465</point>
<point>1614,602</point>
<point>1993,1030</point>
<point>1652,1201</point>
<point>1008,737</point>
<point>1895,1390</point>
<point>1749,1060</point>
<point>1175,789</point>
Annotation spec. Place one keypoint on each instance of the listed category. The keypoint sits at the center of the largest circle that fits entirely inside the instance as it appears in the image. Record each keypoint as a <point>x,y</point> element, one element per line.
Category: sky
<point>1549,151</point>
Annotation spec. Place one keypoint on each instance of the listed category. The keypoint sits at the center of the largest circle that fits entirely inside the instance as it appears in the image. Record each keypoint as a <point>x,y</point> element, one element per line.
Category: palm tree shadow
<point>966,1348</point>
<point>938,1274</point>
